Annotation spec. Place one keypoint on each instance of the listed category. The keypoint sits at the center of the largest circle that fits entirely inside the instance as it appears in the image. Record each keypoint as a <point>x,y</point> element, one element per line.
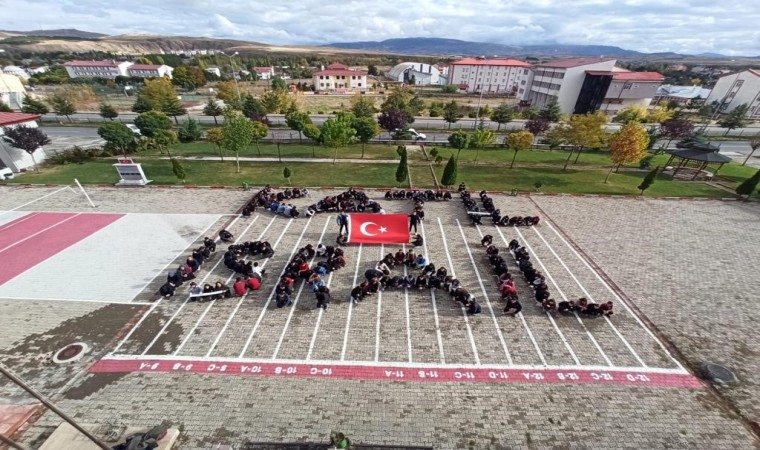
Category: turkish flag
<point>378,228</point>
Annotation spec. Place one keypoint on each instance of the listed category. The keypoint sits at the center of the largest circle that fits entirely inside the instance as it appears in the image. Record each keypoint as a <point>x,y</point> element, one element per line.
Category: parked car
<point>6,173</point>
<point>134,129</point>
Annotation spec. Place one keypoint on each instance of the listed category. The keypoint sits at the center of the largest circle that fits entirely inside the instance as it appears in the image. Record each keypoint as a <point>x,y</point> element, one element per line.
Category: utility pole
<point>232,67</point>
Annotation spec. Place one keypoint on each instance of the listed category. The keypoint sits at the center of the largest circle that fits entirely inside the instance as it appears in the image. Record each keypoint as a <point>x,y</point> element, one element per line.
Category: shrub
<point>646,162</point>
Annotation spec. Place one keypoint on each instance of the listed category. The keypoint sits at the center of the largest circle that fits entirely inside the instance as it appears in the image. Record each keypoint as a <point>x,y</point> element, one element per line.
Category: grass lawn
<point>203,148</point>
<point>207,173</point>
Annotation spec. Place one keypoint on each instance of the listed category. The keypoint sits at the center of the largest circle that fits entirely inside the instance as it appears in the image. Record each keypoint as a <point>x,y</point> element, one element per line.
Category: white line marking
<point>17,221</point>
<point>35,200</point>
<point>74,300</point>
<point>242,298</point>
<point>139,322</point>
<point>401,364</point>
<point>350,305</point>
<point>408,321</point>
<point>40,232</point>
<point>298,295</point>
<point>212,302</point>
<point>319,319</point>
<point>562,294</point>
<point>379,312</point>
<point>432,294</point>
<point>271,294</point>
<point>591,299</point>
<point>464,312</point>
<point>485,294</point>
<point>171,319</point>
<point>612,291</point>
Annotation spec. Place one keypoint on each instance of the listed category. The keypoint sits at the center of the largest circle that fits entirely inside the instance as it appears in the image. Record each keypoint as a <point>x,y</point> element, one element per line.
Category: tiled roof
<point>638,76</point>
<point>490,62</point>
<point>339,72</point>
<point>106,63</point>
<point>7,118</point>
<point>262,69</point>
<point>144,66</point>
<point>574,62</point>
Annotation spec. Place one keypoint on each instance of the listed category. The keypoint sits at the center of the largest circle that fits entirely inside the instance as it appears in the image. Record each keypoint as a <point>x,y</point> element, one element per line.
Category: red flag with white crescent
<point>378,228</point>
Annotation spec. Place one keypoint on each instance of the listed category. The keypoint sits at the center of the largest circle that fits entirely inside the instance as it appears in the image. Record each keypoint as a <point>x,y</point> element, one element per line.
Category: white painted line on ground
<point>174,316</point>
<point>298,295</point>
<point>39,232</point>
<point>620,300</point>
<point>591,299</point>
<point>240,302</point>
<point>432,295</point>
<point>212,302</point>
<point>400,364</point>
<point>485,294</point>
<point>408,321</point>
<point>319,320</point>
<point>18,221</point>
<point>562,294</point>
<point>379,311</point>
<point>271,294</point>
<point>350,306</point>
<point>35,200</point>
<point>464,312</point>
<point>137,325</point>
<point>74,300</point>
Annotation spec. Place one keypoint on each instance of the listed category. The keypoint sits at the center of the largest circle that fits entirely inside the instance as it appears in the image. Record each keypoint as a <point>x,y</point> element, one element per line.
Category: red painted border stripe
<point>22,257</point>
<point>26,226</point>
<point>389,373</point>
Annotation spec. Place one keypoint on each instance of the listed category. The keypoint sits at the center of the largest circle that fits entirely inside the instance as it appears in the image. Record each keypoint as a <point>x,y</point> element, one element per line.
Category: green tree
<point>5,108</point>
<point>366,129</point>
<point>631,114</point>
<point>214,135</point>
<point>274,101</point>
<point>181,77</point>
<point>337,132</point>
<point>226,91</point>
<point>518,141</point>
<point>363,106</point>
<point>648,180</point>
<point>253,108</point>
<point>451,113</point>
<point>278,84</point>
<point>173,107</point>
<point>34,106</point>
<point>260,131</point>
<point>372,70</point>
<point>152,121</point>
<point>62,105</point>
<point>585,131</point>
<point>551,112</point>
<point>402,171</point>
<point>449,177</point>
<point>117,136</point>
<point>286,173</point>
<point>554,138</point>
<point>178,170</point>
<point>313,133</point>
<point>450,89</point>
<point>27,139</point>
<point>190,131</point>
<point>108,112</point>
<point>212,109</point>
<point>460,140</point>
<point>237,134</point>
<point>627,146</point>
<point>297,120</point>
<point>502,114</point>
<point>158,93</point>
<point>748,186</point>
<point>482,137</point>
<point>141,105</point>
<point>735,119</point>
<point>163,139</point>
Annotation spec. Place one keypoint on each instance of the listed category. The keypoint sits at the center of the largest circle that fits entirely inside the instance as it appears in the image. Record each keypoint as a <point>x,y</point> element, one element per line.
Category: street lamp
<point>237,89</point>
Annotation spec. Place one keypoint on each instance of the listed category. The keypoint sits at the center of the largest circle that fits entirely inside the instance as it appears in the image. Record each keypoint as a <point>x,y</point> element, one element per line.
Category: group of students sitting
<point>488,209</point>
<point>351,200</point>
<point>414,194</point>
<point>537,283</point>
<point>186,272</point>
<point>275,202</point>
<point>314,275</point>
<point>380,278</point>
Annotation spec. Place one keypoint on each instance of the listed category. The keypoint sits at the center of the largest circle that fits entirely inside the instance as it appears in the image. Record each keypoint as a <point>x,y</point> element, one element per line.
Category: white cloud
<point>687,26</point>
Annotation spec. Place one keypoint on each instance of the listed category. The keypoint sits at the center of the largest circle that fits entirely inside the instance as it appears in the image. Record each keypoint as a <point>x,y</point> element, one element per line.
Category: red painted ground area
<point>414,374</point>
<point>33,240</point>
<point>12,417</point>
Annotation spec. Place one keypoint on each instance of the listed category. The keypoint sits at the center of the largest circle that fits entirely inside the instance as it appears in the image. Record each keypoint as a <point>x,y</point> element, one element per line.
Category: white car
<point>6,173</point>
<point>417,136</point>
<point>134,129</point>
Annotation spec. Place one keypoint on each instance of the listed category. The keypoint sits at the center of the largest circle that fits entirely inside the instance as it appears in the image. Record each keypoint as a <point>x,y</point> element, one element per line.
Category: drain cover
<point>71,353</point>
<point>718,373</point>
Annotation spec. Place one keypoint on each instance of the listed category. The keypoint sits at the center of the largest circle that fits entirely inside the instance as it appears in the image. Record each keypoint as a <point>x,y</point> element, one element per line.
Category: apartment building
<point>150,70</point>
<point>738,88</point>
<point>338,77</point>
<point>490,76</point>
<point>102,69</point>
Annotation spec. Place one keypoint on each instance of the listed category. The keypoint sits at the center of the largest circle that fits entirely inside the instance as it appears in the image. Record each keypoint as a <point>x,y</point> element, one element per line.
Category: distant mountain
<point>60,33</point>
<point>437,46</point>
<point>712,55</point>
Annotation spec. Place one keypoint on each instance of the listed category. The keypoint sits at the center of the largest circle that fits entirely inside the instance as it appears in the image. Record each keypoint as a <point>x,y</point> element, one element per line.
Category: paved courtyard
<point>404,367</point>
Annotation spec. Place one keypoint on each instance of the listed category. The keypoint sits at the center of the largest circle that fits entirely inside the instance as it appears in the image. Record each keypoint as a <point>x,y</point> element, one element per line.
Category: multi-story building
<point>264,73</point>
<point>15,71</point>
<point>490,76</point>
<point>416,73</point>
<point>150,70</point>
<point>14,158</point>
<point>736,89</point>
<point>12,91</point>
<point>338,77</point>
<point>102,69</point>
<point>630,89</point>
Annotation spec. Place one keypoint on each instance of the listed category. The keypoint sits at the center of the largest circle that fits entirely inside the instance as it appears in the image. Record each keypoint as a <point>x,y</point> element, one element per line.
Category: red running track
<point>406,373</point>
<point>28,241</point>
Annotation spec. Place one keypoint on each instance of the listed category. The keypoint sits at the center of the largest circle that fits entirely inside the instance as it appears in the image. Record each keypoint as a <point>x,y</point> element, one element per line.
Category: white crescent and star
<point>363,229</point>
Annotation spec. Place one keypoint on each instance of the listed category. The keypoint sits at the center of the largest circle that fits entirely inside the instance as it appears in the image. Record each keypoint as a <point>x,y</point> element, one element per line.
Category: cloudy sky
<point>686,26</point>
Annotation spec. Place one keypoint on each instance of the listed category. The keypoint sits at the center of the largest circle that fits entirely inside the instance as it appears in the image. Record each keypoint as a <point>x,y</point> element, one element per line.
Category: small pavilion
<point>695,158</point>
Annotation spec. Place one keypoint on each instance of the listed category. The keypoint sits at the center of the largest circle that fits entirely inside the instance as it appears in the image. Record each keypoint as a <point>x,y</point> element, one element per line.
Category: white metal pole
<point>85,193</point>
